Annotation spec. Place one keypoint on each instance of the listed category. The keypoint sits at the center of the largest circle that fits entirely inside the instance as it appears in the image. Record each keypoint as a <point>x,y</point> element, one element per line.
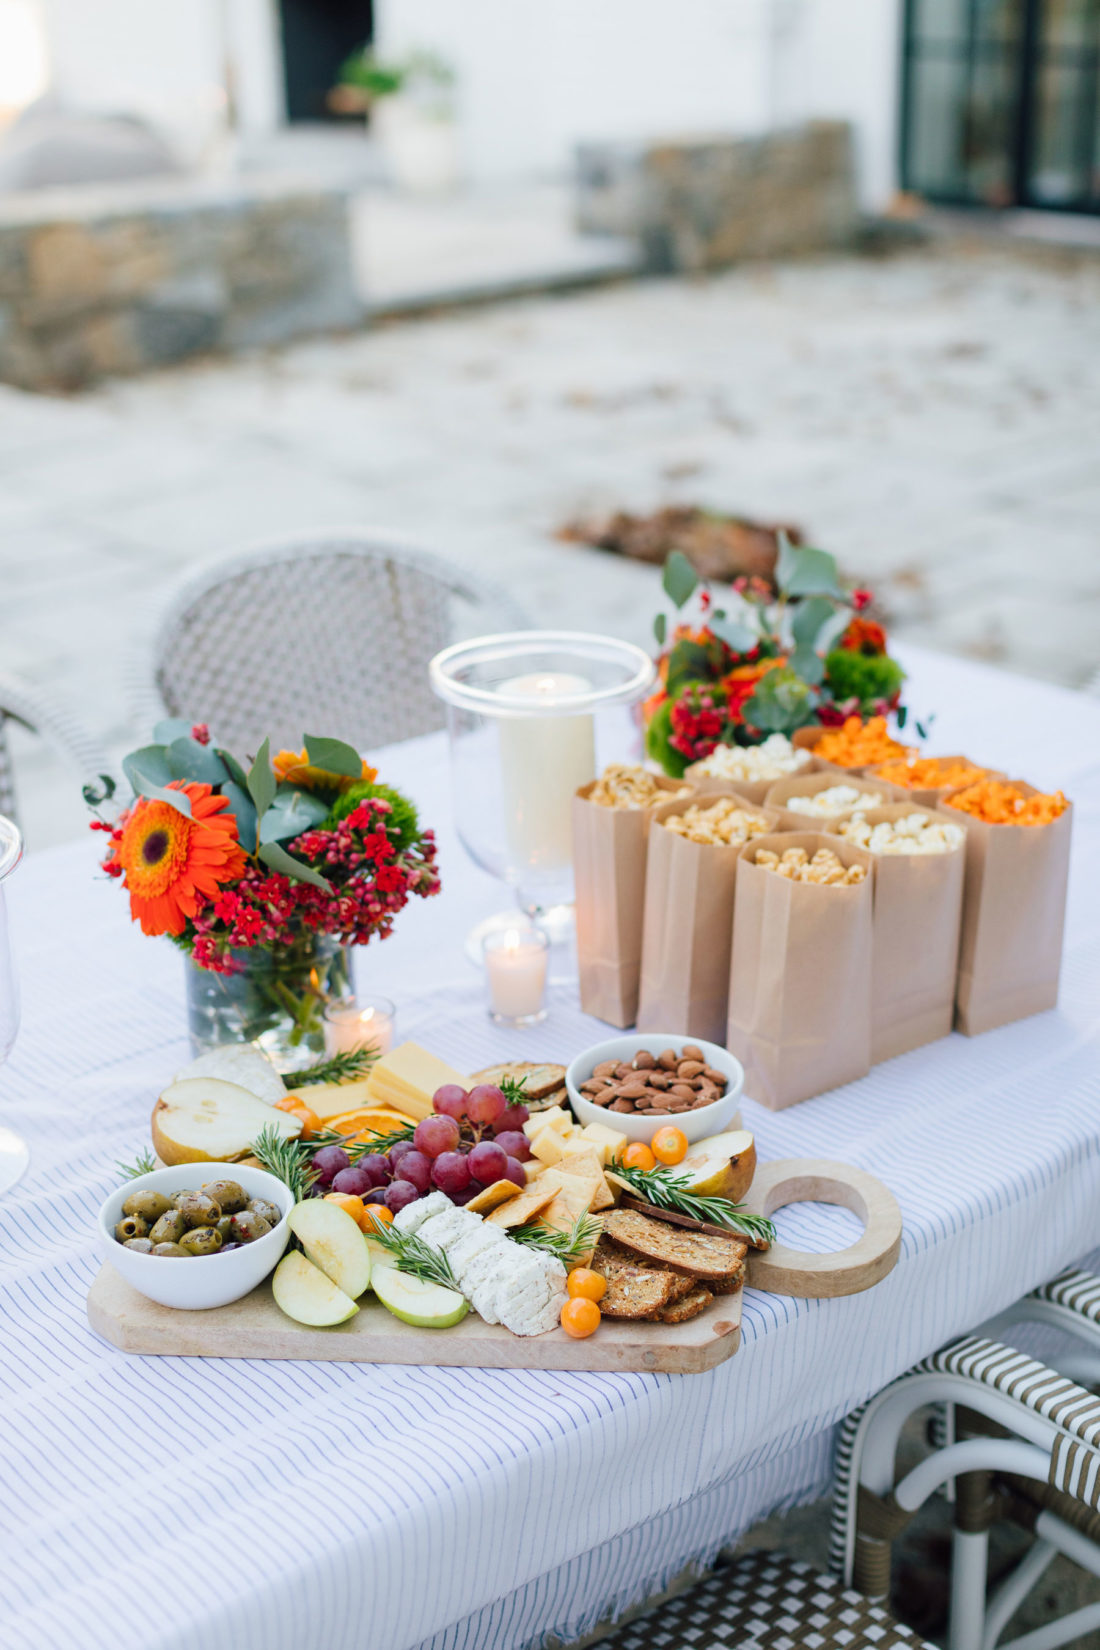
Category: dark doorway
<point>1001,102</point>
<point>317,37</point>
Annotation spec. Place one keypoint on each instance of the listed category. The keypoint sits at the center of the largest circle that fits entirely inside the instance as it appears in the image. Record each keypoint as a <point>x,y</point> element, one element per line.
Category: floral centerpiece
<point>750,663</point>
<point>263,876</point>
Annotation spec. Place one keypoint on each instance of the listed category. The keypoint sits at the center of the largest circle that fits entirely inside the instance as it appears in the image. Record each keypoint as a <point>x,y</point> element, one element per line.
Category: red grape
<point>515,1143</point>
<point>451,1173</point>
<point>512,1117</point>
<point>377,1196</point>
<point>485,1103</point>
<point>462,1198</point>
<point>416,1167</point>
<point>514,1172</point>
<point>436,1134</point>
<point>450,1100</point>
<point>354,1180</point>
<point>329,1161</point>
<point>397,1152</point>
<point>399,1193</point>
<point>488,1162</point>
<point>376,1167</point>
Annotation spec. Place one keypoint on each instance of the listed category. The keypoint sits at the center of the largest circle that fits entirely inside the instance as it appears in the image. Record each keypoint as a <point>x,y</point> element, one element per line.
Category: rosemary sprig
<point>379,1143</point>
<point>514,1090</point>
<point>338,1068</point>
<point>569,1246</point>
<point>412,1255</point>
<point>291,1161</point>
<point>667,1190</point>
<point>144,1163</point>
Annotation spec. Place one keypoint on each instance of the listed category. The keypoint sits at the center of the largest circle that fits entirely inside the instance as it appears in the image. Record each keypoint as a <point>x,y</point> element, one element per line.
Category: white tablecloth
<point>271,1506</point>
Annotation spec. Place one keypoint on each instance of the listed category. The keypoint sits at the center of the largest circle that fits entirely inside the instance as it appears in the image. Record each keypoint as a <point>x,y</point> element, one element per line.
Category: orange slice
<point>364,1123</point>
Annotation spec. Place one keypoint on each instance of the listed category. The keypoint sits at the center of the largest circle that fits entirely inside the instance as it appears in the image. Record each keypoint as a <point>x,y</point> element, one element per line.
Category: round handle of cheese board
<point>783,1271</point>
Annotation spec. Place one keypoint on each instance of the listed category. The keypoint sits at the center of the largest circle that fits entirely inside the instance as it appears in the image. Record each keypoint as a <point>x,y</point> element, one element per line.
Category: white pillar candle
<point>543,760</point>
<point>515,962</point>
<point>349,1026</point>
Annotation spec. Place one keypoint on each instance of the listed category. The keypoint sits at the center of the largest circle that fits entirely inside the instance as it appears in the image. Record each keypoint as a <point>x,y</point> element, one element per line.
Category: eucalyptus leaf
<point>736,636</point>
<point>279,860</point>
<point>171,727</point>
<point>781,703</point>
<point>243,809</point>
<point>261,780</point>
<point>812,573</point>
<point>808,664</point>
<point>784,561</point>
<point>688,662</point>
<point>809,616</point>
<point>96,795</point>
<point>291,813</point>
<point>233,768</point>
<point>151,761</point>
<point>833,629</point>
<point>679,578</point>
<point>157,793</point>
<point>334,756</point>
<point>198,763</point>
<point>660,629</point>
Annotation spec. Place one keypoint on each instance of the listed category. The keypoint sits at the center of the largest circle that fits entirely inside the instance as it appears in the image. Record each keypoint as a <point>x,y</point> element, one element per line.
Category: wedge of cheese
<point>407,1077</point>
<point>548,1146</point>
<point>608,1142</point>
<point>552,1118</point>
<point>327,1100</point>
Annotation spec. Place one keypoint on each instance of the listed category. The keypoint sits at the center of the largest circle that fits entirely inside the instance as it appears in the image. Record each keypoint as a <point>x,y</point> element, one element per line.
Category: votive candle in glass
<point>515,970</point>
<point>350,1025</point>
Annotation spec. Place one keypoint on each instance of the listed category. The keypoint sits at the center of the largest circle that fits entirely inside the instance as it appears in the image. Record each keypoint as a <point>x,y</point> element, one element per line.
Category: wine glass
<point>14,1155</point>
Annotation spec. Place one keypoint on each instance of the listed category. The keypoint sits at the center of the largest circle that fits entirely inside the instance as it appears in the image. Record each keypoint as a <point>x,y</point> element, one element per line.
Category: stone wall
<point>702,204</point>
<point>116,279</point>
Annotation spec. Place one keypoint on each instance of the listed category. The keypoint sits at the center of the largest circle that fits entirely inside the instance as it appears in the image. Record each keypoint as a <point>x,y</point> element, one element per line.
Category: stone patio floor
<point>932,418</point>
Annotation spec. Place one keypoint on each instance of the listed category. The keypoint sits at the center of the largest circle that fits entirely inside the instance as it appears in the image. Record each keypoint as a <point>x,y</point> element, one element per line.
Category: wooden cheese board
<point>255,1328</point>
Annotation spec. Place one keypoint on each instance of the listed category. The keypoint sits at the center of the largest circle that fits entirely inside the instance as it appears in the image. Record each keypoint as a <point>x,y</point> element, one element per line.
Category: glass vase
<point>276,999</point>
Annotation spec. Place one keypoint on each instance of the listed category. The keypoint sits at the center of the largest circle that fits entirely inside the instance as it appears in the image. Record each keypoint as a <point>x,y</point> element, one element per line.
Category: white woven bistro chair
<point>43,714</point>
<point>328,633</point>
<point>1023,1443</point>
<point>766,1601</point>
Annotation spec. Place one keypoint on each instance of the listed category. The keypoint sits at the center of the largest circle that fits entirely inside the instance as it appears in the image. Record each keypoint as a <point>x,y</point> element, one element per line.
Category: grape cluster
<point>470,1141</point>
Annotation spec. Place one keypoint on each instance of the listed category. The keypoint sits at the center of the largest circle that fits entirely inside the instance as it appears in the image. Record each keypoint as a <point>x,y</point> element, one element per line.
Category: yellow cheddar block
<point>327,1100</point>
<point>575,1142</point>
<point>608,1142</point>
<point>407,1077</point>
<point>533,1169</point>
<point>548,1147</point>
<point>552,1118</point>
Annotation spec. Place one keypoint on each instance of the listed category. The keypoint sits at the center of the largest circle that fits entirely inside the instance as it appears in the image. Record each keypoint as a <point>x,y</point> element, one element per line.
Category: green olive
<point>131,1226</point>
<point>224,1228</point>
<point>267,1210</point>
<point>149,1205</point>
<point>199,1210</point>
<point>170,1227</point>
<point>247,1226</point>
<point>203,1240</point>
<point>227,1194</point>
<point>142,1245</point>
<point>172,1249</point>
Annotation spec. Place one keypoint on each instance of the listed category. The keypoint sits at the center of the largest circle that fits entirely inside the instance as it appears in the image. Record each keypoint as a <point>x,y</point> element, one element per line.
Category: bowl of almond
<point>639,1083</point>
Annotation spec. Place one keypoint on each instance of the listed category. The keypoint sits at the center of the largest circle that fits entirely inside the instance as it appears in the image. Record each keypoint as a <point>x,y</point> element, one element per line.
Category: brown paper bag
<point>931,796</point>
<point>823,780</point>
<point>688,927</point>
<point>754,791</point>
<point>915,939</point>
<point>1014,909</point>
<point>800,975</point>
<point>609,860</point>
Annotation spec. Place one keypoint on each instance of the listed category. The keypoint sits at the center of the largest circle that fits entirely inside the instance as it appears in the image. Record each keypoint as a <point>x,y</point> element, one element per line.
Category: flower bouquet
<point>263,876</point>
<point>756,663</point>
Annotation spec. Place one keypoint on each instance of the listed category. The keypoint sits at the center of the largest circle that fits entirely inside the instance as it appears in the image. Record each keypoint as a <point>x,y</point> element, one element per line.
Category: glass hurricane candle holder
<point>516,961</point>
<point>526,715</point>
<point>14,1155</point>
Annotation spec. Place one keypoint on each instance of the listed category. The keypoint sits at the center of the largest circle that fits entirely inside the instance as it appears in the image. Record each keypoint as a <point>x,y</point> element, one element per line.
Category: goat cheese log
<point>504,1282</point>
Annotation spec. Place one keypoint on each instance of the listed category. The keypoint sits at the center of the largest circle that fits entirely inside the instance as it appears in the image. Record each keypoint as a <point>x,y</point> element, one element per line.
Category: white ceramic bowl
<point>697,1125</point>
<point>201,1281</point>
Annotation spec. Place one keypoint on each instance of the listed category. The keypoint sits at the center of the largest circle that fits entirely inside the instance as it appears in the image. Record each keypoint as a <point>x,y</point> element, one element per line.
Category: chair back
<point>42,713</point>
<point>327,634</point>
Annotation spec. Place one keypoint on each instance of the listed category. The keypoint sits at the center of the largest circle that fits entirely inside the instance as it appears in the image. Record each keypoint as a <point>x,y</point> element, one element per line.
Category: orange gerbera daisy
<point>172,864</point>
<point>295,768</point>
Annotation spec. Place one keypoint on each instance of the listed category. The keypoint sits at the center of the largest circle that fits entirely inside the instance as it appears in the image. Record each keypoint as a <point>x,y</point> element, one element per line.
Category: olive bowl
<point>200,1281</point>
<point>697,1125</point>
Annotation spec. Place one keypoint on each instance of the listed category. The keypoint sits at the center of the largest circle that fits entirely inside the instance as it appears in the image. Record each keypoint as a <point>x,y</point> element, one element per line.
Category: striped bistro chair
<point>43,714</point>
<point>1071,1303</point>
<point>331,632</point>
<point>769,1601</point>
<point>1024,1443</point>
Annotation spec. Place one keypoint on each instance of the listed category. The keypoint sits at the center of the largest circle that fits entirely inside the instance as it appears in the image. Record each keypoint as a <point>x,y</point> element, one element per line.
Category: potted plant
<point>410,104</point>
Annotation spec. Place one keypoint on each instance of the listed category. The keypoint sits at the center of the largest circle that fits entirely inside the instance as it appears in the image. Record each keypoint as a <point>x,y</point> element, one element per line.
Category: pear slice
<point>304,1293</point>
<point>722,1166</point>
<point>426,1305</point>
<point>207,1120</point>
<point>332,1241</point>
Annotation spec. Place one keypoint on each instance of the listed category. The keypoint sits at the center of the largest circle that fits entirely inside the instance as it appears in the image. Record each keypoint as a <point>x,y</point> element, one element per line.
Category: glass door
<point>1062,163</point>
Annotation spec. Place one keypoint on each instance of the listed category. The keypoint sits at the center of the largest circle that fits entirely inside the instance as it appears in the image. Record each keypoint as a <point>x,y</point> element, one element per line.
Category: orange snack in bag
<point>999,802</point>
<point>858,743</point>
<point>930,772</point>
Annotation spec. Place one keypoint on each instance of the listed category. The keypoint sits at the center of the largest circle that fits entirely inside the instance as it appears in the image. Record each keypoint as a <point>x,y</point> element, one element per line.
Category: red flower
<point>864,636</point>
<point>861,599</point>
<point>201,733</point>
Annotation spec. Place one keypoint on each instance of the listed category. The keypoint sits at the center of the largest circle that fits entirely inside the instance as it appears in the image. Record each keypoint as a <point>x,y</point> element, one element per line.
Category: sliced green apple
<point>379,1257</point>
<point>333,1242</point>
<point>427,1305</point>
<point>305,1294</point>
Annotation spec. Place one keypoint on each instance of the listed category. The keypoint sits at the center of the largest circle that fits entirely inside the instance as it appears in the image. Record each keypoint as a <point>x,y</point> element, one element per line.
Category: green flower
<point>851,675</point>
